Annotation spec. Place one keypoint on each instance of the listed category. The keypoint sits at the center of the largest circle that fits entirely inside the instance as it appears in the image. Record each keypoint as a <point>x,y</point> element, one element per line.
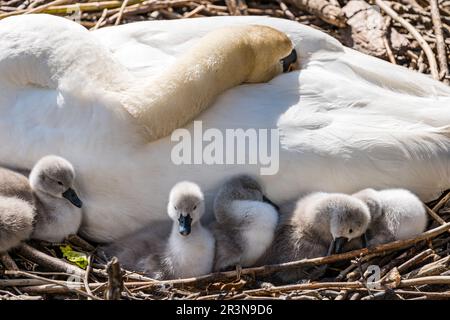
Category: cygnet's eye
<point>60,183</point>
<point>350,231</point>
<point>195,207</point>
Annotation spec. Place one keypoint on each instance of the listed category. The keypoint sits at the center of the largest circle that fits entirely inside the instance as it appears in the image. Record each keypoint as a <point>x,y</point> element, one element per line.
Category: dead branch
<point>440,44</point>
<point>323,10</point>
<point>115,281</point>
<point>425,46</point>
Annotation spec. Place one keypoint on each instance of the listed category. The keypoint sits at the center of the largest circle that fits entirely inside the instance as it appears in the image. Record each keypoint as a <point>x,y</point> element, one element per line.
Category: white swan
<point>347,121</point>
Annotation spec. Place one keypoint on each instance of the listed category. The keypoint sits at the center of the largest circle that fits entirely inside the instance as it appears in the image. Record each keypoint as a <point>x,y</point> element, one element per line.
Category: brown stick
<point>424,280</point>
<point>8,262</point>
<point>414,260</point>
<point>192,13</point>
<point>286,10</point>
<point>432,295</point>
<point>232,7</point>
<point>47,261</point>
<point>425,46</point>
<point>431,269</point>
<point>323,10</point>
<point>86,276</point>
<point>115,281</point>
<point>122,8</point>
<point>441,202</point>
<point>435,216</point>
<point>34,10</point>
<point>440,44</point>
<point>20,282</point>
<point>80,242</point>
<point>417,7</point>
<point>59,283</point>
<point>349,285</point>
<point>389,52</point>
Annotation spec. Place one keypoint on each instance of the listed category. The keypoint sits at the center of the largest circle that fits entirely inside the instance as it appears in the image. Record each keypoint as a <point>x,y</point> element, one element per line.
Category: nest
<point>415,268</point>
<point>411,33</point>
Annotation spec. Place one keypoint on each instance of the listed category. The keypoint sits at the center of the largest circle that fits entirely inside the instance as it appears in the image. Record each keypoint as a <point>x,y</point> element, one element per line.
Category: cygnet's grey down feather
<point>311,228</point>
<point>245,224</point>
<point>171,249</point>
<point>16,222</point>
<point>397,214</point>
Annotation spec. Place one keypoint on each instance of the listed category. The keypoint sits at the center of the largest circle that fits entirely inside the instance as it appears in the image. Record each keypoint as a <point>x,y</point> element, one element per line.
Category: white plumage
<point>347,121</point>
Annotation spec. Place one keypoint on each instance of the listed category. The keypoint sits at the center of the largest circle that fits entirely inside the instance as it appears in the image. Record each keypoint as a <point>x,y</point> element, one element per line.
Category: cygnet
<point>245,223</point>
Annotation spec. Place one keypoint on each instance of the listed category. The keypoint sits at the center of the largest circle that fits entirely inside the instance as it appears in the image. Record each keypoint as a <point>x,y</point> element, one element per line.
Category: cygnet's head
<point>370,198</point>
<point>349,219</point>
<point>245,187</point>
<point>54,176</point>
<point>186,205</point>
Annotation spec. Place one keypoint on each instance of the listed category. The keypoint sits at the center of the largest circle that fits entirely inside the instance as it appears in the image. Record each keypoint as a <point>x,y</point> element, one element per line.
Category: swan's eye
<point>350,231</point>
<point>175,207</point>
<point>195,207</point>
<point>60,183</point>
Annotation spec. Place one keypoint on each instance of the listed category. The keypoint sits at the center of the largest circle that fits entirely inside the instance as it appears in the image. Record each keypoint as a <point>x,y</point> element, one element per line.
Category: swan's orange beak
<point>290,62</point>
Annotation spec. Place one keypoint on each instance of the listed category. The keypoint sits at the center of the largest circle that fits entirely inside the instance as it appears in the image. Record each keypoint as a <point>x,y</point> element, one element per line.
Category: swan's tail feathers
<point>16,222</point>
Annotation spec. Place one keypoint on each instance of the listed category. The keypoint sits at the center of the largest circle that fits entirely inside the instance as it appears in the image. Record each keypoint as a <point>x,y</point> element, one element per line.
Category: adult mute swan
<point>347,121</point>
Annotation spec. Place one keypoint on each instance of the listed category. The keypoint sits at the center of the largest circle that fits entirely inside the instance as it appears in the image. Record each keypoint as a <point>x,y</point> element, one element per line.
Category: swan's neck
<point>223,59</point>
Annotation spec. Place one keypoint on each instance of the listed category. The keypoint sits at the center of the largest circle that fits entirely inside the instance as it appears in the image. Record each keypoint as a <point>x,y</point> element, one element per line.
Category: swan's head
<point>54,176</point>
<point>274,53</point>
<point>370,197</point>
<point>186,205</point>
<point>349,219</point>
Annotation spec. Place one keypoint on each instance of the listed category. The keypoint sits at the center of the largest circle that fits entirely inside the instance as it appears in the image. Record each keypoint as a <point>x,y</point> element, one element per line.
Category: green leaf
<point>78,258</point>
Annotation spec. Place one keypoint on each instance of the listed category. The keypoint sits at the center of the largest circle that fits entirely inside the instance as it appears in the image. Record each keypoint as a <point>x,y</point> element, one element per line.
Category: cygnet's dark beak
<point>290,62</point>
<point>267,200</point>
<point>185,224</point>
<point>71,195</point>
<point>337,245</point>
<point>364,240</point>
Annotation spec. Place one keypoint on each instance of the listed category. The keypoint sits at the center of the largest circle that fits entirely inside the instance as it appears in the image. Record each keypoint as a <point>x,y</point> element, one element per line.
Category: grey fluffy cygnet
<point>44,206</point>
<point>245,223</point>
<point>186,249</point>
<point>321,224</point>
<point>58,208</point>
<point>397,214</point>
<point>16,221</point>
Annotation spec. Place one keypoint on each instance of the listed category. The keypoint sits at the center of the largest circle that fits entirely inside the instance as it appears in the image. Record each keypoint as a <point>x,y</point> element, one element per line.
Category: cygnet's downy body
<point>16,221</point>
<point>44,206</point>
<point>397,214</point>
<point>58,208</point>
<point>321,224</point>
<point>185,250</point>
<point>245,223</point>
